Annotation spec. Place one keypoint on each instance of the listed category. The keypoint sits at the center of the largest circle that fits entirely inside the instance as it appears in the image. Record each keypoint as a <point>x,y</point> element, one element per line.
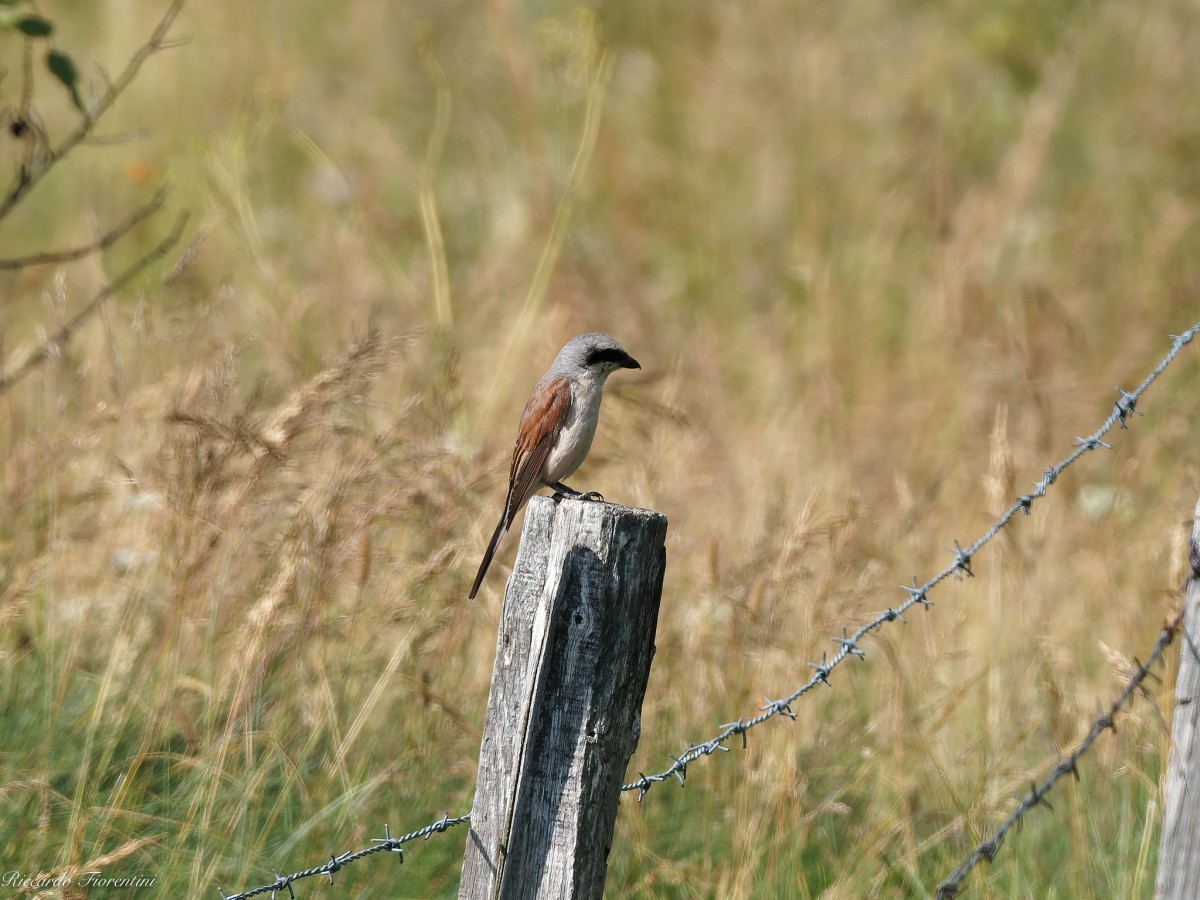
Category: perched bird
<point>557,427</point>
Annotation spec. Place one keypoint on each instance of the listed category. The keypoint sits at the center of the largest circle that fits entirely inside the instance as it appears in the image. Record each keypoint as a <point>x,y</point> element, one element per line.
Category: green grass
<point>880,262</point>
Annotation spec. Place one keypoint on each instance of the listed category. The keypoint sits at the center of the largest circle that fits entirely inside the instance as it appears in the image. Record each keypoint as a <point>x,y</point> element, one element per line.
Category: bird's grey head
<point>593,352</point>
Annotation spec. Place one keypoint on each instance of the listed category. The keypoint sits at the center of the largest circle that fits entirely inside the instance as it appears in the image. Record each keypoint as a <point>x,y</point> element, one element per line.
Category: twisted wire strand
<point>987,849</point>
<point>960,567</point>
<point>387,843</point>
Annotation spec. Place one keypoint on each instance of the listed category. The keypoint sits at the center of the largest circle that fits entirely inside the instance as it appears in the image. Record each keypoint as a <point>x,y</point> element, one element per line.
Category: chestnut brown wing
<point>545,415</point>
<point>541,423</point>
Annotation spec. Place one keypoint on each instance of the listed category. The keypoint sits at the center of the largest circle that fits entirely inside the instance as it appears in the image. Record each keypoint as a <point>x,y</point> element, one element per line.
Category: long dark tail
<point>501,528</point>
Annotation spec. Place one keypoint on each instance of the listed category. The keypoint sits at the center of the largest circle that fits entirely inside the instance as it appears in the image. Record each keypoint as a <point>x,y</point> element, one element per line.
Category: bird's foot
<point>561,491</point>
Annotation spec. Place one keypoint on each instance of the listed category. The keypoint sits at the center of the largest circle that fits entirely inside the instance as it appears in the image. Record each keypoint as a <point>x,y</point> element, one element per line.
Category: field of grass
<point>881,263</point>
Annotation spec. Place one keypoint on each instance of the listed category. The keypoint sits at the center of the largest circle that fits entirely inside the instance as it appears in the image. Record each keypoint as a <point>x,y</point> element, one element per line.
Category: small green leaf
<point>34,26</point>
<point>63,68</point>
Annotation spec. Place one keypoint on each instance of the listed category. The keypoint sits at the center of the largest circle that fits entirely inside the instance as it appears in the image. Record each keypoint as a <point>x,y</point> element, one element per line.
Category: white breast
<point>576,439</point>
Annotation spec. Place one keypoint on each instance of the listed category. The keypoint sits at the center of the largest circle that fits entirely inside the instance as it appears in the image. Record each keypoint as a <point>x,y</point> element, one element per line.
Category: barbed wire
<point>387,843</point>
<point>1069,765</point>
<point>960,567</point>
<point>1123,409</point>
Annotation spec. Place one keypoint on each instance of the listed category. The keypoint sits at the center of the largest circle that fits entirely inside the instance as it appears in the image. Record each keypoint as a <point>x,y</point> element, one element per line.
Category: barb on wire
<point>959,567</point>
<point>1106,720</point>
<point>387,843</point>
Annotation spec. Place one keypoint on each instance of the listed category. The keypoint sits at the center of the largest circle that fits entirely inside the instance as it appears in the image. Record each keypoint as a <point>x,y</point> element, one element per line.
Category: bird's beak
<point>630,363</point>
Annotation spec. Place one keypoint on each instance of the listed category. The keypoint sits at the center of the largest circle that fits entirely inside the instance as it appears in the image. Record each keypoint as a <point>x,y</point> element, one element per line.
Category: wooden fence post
<point>1179,856</point>
<point>564,713</point>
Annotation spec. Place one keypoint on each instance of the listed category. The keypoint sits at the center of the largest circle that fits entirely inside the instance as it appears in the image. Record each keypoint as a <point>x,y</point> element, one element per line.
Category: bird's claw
<point>592,496</point>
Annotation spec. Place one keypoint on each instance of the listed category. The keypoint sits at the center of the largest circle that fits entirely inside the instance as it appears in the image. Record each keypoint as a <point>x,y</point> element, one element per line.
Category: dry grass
<point>881,264</point>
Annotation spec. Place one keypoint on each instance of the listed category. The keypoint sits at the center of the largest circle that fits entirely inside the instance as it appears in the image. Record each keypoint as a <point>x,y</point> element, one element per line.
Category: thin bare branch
<point>123,137</point>
<point>28,178</point>
<point>59,339</point>
<point>102,243</point>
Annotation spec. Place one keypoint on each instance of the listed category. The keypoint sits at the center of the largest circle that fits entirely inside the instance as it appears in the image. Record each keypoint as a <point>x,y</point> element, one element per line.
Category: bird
<point>557,427</point>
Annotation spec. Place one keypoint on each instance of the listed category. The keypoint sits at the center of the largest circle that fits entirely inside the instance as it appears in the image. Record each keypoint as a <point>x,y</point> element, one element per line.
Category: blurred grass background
<point>881,262</point>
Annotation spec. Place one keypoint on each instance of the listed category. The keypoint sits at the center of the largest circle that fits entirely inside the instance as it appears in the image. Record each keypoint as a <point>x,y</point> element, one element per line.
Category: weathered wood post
<point>564,714</point>
<point>1179,853</point>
